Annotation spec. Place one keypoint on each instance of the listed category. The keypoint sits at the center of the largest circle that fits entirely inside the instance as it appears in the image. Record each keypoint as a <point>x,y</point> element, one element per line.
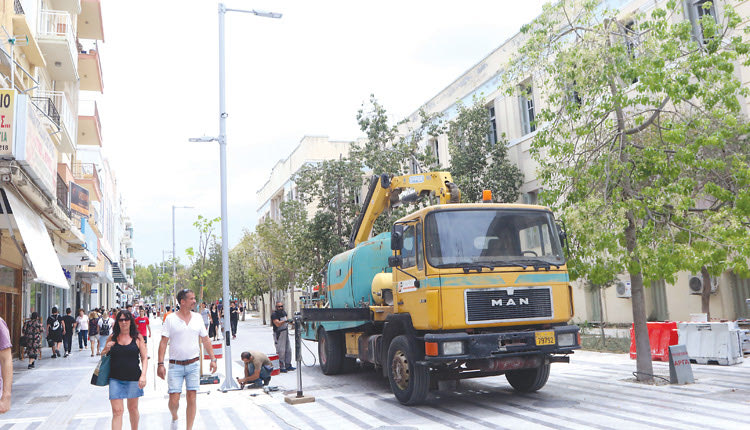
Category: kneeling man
<point>258,369</point>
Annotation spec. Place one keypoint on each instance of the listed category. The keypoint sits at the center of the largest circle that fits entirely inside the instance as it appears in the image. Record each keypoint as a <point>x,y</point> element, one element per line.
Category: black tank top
<point>125,362</point>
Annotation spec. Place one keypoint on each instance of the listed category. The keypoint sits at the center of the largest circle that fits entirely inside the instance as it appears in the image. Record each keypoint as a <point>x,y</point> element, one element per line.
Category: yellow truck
<point>453,291</point>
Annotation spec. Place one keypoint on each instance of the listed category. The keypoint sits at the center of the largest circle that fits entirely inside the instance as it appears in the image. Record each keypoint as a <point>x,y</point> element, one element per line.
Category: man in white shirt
<point>180,331</point>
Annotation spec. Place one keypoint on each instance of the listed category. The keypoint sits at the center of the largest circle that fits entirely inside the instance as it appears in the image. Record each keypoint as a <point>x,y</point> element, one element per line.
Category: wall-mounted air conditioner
<point>623,289</point>
<point>696,284</point>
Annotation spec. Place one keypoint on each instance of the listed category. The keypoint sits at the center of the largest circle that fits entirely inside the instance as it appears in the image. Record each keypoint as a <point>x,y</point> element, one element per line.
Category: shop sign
<point>33,148</point>
<point>79,199</point>
<point>7,115</point>
<point>94,291</point>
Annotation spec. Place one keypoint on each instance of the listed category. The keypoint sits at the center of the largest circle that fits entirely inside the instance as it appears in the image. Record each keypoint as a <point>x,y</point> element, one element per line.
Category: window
<point>631,42</point>
<point>530,198</point>
<point>435,149</point>
<point>411,252</point>
<point>492,136</point>
<point>526,101</point>
<point>697,10</point>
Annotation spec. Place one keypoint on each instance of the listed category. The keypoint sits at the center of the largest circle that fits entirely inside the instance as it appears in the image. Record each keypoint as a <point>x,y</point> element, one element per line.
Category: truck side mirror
<point>397,237</point>
<point>394,261</point>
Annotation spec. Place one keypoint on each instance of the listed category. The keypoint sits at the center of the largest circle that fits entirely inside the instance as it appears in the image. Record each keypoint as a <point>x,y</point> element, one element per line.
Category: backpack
<point>94,326</point>
<point>104,329</point>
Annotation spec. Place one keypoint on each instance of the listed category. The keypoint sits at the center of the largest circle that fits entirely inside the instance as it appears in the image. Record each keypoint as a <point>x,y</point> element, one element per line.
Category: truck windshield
<point>491,237</point>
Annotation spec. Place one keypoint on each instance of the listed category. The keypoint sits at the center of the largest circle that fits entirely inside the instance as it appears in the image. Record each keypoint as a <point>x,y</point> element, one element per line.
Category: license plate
<point>545,337</point>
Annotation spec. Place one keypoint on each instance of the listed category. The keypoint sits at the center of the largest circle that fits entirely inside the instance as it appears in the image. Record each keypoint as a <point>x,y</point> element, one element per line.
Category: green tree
<point>199,257</point>
<point>477,163</point>
<point>144,280</point>
<point>642,145</point>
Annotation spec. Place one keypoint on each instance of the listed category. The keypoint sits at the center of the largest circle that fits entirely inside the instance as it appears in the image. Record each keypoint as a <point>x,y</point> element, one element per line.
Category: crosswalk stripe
<point>299,411</point>
<point>370,412</point>
<point>276,419</point>
<point>343,414</point>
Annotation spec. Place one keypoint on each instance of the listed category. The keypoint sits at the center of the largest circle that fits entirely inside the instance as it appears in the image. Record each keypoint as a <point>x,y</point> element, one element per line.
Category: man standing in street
<point>167,312</point>
<point>281,338</point>
<point>68,322</point>
<point>55,331</point>
<point>234,317</point>
<point>6,367</point>
<point>181,331</point>
<point>258,369</point>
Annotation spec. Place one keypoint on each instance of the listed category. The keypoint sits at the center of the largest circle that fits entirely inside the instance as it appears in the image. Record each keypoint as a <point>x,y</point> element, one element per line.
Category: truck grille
<point>492,305</point>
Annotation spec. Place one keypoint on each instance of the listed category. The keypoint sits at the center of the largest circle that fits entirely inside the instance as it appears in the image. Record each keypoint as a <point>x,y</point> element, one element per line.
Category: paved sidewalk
<point>57,394</point>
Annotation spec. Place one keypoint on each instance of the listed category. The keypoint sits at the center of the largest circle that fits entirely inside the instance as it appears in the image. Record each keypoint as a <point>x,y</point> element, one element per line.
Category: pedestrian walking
<point>94,332</point>
<point>143,324</point>
<point>167,312</point>
<point>6,367</point>
<point>213,330</point>
<point>55,331</point>
<point>206,315</point>
<point>181,330</point>
<point>105,328</point>
<point>32,331</point>
<point>82,325</point>
<point>258,369</point>
<point>234,317</point>
<point>126,378</point>
<point>281,338</point>
<point>69,323</point>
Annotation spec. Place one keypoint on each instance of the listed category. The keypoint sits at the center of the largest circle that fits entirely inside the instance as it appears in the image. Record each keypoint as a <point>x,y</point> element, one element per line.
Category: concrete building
<point>513,116</point>
<point>59,197</point>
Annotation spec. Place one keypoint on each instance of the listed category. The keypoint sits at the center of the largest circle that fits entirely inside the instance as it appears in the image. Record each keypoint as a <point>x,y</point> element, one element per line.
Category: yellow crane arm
<point>384,192</point>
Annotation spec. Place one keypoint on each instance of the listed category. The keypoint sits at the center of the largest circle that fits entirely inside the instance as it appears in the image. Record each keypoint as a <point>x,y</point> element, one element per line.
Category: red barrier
<point>660,335</point>
<point>218,350</point>
<point>275,361</point>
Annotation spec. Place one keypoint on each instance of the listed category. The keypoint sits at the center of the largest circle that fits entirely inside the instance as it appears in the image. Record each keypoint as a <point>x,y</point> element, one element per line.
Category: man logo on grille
<point>510,302</point>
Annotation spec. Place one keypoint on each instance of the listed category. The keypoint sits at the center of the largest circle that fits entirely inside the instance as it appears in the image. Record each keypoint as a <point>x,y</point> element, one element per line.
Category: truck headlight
<point>453,348</point>
<point>566,339</point>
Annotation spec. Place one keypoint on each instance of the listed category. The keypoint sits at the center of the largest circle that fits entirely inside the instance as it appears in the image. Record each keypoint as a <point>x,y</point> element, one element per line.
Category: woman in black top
<point>213,330</point>
<point>126,378</point>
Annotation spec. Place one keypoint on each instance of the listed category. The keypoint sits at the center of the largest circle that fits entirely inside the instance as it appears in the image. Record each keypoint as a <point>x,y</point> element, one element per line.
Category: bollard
<point>300,397</point>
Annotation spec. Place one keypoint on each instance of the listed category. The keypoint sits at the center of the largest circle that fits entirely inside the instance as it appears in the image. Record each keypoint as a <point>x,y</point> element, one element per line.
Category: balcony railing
<point>56,24</point>
<point>63,195</point>
<point>87,171</point>
<point>17,8</point>
<point>65,115</point>
<point>48,108</point>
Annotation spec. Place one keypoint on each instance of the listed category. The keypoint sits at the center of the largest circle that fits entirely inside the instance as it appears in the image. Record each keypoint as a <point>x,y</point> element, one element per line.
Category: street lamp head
<point>203,139</point>
<point>267,14</point>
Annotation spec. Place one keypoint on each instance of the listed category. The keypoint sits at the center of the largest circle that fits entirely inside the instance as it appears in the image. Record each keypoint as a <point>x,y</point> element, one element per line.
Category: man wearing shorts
<point>144,327</point>
<point>181,330</point>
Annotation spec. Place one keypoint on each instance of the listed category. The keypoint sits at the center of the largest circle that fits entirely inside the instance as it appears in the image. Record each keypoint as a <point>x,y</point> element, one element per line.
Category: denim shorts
<point>123,389</point>
<point>178,373</point>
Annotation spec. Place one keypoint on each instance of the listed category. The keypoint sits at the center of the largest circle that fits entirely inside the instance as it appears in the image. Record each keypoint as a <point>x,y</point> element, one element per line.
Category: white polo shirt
<point>184,338</point>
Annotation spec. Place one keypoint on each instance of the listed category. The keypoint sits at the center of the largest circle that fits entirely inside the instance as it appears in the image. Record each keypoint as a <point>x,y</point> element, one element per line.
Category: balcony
<point>90,69</point>
<point>89,125</point>
<point>63,195</point>
<point>86,175</point>
<point>90,20</point>
<point>54,104</point>
<point>56,37</point>
<point>21,27</point>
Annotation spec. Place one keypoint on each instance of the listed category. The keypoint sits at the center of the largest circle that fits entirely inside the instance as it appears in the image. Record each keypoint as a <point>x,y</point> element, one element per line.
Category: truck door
<point>410,298</point>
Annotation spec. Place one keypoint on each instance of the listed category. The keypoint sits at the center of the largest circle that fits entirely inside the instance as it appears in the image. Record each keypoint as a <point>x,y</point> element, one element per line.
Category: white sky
<point>305,74</point>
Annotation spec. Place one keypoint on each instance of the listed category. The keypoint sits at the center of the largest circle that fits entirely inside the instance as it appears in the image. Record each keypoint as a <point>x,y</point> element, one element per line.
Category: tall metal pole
<point>174,268</point>
<point>229,382</point>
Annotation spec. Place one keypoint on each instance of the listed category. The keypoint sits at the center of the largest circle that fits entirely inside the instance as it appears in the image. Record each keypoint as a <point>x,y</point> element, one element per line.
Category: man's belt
<point>184,362</point>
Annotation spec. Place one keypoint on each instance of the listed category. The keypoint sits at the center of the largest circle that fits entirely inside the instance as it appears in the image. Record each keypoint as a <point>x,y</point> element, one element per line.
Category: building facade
<point>60,214</point>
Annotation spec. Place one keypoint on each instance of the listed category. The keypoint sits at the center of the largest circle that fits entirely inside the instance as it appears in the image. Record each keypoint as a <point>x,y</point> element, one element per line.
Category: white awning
<point>38,244</point>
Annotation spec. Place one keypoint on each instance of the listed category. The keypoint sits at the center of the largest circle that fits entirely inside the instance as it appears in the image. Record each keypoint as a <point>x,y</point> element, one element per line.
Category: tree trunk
<point>706,293</point>
<point>263,308</point>
<point>644,367</point>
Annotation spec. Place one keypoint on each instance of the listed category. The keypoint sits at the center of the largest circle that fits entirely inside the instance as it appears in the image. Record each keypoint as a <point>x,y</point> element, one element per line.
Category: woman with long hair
<point>32,330</point>
<point>94,332</point>
<point>213,329</point>
<point>126,378</point>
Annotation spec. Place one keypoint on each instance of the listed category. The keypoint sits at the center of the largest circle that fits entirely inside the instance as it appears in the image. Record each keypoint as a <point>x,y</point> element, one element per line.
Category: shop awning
<point>42,254</point>
<point>117,273</point>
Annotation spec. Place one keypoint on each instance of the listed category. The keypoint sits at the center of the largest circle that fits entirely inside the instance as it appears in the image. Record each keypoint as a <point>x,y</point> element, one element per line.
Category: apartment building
<point>513,115</point>
<point>280,185</point>
<point>60,217</point>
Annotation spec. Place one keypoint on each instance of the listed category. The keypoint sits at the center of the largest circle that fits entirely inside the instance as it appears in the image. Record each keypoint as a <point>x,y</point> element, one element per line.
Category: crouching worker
<point>258,369</point>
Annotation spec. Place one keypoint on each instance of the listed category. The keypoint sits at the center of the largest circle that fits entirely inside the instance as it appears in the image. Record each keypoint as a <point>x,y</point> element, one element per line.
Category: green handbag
<point>100,378</point>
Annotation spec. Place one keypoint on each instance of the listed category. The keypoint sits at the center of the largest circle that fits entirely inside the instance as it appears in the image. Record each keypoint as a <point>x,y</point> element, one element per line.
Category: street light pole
<point>174,251</point>
<point>229,382</point>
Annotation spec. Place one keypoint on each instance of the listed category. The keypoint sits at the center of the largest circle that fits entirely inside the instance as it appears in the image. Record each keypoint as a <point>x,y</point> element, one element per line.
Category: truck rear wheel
<point>409,381</point>
<point>528,380</point>
<point>330,351</point>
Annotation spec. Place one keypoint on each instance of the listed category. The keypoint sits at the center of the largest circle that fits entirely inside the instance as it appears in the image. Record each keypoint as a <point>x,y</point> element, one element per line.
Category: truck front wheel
<point>330,351</point>
<point>409,381</point>
<point>528,380</point>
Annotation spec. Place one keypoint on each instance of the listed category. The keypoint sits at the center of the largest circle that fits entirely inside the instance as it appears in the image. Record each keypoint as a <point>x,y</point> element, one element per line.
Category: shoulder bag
<point>100,378</point>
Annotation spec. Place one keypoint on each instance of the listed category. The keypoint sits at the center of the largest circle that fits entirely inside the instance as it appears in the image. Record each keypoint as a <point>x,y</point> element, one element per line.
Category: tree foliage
<point>200,257</point>
<point>642,146</point>
<point>477,163</point>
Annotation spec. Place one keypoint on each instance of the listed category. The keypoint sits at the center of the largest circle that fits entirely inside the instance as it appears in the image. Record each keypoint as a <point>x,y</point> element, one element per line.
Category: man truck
<point>453,291</point>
